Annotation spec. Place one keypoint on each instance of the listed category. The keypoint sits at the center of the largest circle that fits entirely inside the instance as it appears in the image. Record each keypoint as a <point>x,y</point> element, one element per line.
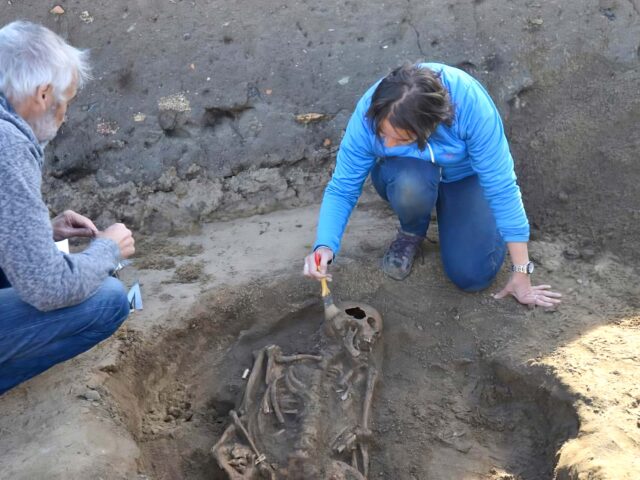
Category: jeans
<point>32,341</point>
<point>472,249</point>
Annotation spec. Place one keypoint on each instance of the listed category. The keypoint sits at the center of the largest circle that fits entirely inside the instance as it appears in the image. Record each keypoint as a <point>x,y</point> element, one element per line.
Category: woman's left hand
<point>519,285</point>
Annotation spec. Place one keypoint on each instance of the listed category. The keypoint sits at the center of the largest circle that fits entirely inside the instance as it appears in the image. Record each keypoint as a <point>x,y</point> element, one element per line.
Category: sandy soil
<point>472,388</point>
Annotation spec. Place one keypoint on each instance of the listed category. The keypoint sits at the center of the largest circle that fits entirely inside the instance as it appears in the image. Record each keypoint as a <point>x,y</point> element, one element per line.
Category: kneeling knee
<point>115,304</point>
<point>409,192</point>
<point>469,281</point>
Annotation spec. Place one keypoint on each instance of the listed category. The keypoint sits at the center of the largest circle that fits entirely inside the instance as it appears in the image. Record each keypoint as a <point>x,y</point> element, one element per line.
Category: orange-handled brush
<point>330,309</point>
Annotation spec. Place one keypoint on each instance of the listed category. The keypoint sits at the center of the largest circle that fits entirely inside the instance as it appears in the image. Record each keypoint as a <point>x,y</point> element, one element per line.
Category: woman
<point>430,136</point>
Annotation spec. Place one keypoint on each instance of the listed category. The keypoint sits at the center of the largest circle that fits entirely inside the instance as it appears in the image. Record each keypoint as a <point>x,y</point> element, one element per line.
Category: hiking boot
<point>398,258</point>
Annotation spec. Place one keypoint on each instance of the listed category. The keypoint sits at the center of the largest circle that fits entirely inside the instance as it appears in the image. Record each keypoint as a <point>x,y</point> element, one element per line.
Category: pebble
<point>57,10</point>
<point>91,395</point>
<point>174,412</point>
<point>463,361</point>
<point>343,81</point>
<point>571,253</point>
<point>86,17</point>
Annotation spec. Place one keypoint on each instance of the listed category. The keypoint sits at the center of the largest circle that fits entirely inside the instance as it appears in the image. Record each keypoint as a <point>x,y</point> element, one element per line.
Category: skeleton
<point>306,416</point>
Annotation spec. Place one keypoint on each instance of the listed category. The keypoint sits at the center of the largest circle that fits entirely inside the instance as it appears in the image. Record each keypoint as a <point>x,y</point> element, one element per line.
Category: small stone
<point>169,418</point>
<point>174,412</point>
<point>169,120</point>
<point>307,118</point>
<point>571,253</point>
<point>563,196</point>
<point>186,36</point>
<point>86,17</point>
<point>463,361</point>
<point>343,81</point>
<point>326,143</point>
<point>57,10</point>
<point>608,12</point>
<point>536,22</point>
<point>91,395</point>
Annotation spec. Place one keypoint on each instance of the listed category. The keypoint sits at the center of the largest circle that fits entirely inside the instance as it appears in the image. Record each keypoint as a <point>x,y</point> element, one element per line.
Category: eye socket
<point>355,312</point>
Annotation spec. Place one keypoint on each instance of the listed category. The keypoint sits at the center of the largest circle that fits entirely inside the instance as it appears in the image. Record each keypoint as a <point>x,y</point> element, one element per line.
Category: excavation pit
<point>443,407</point>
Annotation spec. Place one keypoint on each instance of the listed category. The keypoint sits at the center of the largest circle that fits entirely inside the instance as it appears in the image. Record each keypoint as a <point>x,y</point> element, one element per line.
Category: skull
<point>361,326</point>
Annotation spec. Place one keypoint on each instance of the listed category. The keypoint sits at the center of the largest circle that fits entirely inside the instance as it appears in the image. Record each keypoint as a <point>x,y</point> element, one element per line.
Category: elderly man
<point>53,305</point>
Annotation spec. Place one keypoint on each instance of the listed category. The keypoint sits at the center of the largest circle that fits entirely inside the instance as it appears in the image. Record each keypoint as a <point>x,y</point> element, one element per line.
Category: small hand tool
<point>330,309</point>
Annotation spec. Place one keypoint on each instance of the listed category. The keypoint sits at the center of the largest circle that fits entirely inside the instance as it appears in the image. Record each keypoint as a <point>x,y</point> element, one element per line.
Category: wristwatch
<point>526,268</point>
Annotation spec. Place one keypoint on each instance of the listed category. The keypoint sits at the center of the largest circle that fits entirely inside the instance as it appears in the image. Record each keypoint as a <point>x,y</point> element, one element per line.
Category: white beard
<point>45,128</point>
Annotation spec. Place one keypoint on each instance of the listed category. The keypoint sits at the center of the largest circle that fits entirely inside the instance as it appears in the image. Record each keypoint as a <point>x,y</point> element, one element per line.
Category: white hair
<point>32,56</point>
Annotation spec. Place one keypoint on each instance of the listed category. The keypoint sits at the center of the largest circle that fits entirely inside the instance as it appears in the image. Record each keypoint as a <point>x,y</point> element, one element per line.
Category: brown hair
<point>411,98</point>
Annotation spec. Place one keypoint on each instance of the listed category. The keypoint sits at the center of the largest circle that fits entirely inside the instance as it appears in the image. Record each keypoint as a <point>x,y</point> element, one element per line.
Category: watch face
<point>530,268</point>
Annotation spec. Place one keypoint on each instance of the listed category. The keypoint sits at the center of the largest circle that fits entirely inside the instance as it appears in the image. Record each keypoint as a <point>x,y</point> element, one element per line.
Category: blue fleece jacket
<point>474,144</point>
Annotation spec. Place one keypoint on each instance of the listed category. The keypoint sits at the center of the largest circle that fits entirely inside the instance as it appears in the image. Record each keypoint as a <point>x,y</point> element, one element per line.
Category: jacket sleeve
<point>354,162</point>
<point>480,126</point>
<point>41,275</point>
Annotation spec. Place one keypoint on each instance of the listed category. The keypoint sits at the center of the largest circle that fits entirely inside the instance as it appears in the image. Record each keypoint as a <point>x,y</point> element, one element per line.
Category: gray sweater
<point>40,274</point>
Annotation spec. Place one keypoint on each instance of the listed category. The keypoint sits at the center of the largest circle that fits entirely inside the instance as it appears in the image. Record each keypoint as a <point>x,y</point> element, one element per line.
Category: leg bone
<point>298,358</point>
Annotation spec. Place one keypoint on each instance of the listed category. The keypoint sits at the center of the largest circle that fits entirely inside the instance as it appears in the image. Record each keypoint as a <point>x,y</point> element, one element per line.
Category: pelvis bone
<point>306,416</point>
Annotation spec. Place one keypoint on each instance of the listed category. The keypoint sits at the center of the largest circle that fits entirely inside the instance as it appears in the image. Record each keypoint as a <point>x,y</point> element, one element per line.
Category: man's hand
<point>519,285</point>
<point>314,271</point>
<point>123,238</point>
<point>70,224</point>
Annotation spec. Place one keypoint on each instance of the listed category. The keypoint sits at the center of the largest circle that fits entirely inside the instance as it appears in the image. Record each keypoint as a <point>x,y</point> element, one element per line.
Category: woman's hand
<point>318,271</point>
<point>519,285</point>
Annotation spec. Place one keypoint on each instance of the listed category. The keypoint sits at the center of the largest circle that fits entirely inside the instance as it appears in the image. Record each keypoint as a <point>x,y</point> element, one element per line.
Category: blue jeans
<point>32,341</point>
<point>472,249</point>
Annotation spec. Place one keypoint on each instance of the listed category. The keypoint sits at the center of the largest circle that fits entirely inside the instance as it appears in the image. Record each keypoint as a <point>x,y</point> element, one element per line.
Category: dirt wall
<point>192,114</point>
